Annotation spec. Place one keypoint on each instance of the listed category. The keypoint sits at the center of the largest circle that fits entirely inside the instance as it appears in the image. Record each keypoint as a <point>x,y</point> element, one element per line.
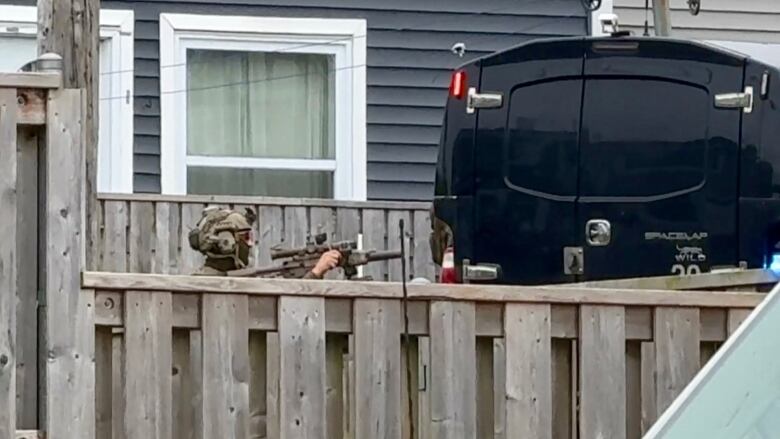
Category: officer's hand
<point>327,262</point>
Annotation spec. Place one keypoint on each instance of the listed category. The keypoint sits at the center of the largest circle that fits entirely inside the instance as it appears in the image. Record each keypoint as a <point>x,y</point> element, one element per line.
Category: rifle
<point>301,260</point>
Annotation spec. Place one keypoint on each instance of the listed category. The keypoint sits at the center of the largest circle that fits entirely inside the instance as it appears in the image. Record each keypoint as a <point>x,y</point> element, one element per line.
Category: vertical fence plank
<point>499,388</point>
<point>114,245</point>
<point>70,343</point>
<point>148,344</point>
<point>174,238</point>
<point>8,267</point>
<point>424,388</point>
<point>603,371</point>
<point>648,386</point>
<point>423,265</point>
<point>142,236</point>
<point>374,230</point>
<point>257,385</point>
<point>347,227</point>
<point>182,388</point>
<point>485,409</point>
<point>735,317</point>
<point>676,352</point>
<point>453,368</point>
<point>323,220</point>
<point>378,368</point>
<point>296,227</point>
<point>117,385</point>
<point>225,366</point>
<point>633,389</point>
<point>561,389</point>
<point>189,260</point>
<point>103,383</point>
<point>161,256</point>
<point>273,352</point>
<point>351,401</point>
<point>410,422</point>
<point>270,223</point>
<point>196,382</point>
<point>347,224</point>
<point>335,347</point>
<point>27,275</point>
<point>302,367</point>
<point>528,371</point>
<point>394,242</point>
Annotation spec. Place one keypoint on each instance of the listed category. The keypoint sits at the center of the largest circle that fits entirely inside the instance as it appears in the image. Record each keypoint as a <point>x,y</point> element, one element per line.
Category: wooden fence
<point>41,171</point>
<point>184,357</point>
<point>148,233</point>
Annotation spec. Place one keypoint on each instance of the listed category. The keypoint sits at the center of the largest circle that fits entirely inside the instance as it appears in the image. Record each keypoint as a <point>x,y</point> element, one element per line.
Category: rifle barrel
<point>384,255</point>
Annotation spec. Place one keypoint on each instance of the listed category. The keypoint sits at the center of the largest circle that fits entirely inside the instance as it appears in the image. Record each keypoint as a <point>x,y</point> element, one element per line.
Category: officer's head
<point>225,237</point>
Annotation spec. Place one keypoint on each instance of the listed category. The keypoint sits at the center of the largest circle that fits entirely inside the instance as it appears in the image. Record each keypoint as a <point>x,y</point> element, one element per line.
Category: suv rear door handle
<point>598,232</point>
<point>476,100</point>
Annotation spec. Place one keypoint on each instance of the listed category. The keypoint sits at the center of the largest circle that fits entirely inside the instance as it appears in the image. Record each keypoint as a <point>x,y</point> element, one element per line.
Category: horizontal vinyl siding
<point>409,63</point>
<point>728,20</point>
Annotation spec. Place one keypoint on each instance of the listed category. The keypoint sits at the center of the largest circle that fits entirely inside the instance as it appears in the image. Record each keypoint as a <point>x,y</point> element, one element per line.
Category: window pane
<point>254,104</point>
<point>619,158</point>
<point>16,52</point>
<point>260,182</point>
<point>542,148</point>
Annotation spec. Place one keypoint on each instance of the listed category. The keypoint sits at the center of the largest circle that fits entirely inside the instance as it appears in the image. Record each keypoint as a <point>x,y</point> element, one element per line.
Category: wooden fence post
<point>7,262</point>
<point>69,345</point>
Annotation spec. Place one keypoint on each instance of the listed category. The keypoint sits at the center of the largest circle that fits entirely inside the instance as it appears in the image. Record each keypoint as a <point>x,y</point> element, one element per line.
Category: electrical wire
<point>426,23</point>
<point>338,69</point>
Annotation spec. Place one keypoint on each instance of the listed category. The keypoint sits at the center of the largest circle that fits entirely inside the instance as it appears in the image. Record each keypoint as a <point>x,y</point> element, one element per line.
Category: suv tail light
<point>448,274</point>
<point>458,84</point>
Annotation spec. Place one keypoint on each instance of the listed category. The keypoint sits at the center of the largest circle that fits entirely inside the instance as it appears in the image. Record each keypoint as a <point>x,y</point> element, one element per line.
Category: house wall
<point>725,20</point>
<point>409,64</point>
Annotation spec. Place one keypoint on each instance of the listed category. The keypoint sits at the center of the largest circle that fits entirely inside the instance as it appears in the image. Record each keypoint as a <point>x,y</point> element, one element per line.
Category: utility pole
<point>662,17</point>
<point>71,29</point>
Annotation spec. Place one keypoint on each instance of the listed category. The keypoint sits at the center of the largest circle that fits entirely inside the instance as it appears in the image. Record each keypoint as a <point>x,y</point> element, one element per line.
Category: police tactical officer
<point>225,238</point>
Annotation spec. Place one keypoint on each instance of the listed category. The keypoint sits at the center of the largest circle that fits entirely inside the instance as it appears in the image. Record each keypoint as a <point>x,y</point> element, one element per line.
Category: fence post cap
<point>49,62</point>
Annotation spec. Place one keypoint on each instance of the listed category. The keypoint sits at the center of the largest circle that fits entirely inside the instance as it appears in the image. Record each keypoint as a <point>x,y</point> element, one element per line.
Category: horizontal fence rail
<point>181,356</point>
<point>148,233</point>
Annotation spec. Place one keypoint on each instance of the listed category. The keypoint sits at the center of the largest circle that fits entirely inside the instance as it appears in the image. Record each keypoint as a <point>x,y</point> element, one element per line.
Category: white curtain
<point>267,105</point>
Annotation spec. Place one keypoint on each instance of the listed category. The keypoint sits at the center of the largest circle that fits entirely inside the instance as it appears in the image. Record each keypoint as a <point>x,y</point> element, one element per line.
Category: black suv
<point>577,159</point>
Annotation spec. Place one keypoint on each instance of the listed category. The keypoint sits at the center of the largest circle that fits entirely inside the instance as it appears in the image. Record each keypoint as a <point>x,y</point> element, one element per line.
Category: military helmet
<point>224,234</point>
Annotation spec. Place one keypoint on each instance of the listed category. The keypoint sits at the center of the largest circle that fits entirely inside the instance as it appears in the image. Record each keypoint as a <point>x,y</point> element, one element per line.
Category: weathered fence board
<point>149,343</point>
<point>302,367</point>
<point>69,369</point>
<point>602,371</point>
<point>27,275</point>
<point>8,267</point>
<point>677,344</point>
<point>453,368</point>
<point>378,368</point>
<point>528,371</point>
<point>225,366</point>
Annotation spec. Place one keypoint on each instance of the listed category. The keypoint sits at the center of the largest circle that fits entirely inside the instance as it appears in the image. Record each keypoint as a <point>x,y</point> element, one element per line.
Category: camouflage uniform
<point>225,238</point>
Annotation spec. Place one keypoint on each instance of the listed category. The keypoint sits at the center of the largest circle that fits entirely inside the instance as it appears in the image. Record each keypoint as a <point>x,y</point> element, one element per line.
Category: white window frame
<point>115,164</point>
<point>343,38</point>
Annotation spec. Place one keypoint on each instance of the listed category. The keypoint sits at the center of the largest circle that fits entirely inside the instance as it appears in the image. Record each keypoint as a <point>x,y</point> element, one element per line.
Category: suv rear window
<point>643,138</point>
<point>541,143</point>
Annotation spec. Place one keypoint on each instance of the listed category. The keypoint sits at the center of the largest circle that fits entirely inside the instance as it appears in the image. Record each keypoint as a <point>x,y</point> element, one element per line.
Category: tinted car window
<point>542,139</point>
<point>643,138</point>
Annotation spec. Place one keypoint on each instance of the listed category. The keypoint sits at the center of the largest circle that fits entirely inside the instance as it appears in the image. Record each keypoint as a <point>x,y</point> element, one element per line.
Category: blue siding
<point>409,62</point>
